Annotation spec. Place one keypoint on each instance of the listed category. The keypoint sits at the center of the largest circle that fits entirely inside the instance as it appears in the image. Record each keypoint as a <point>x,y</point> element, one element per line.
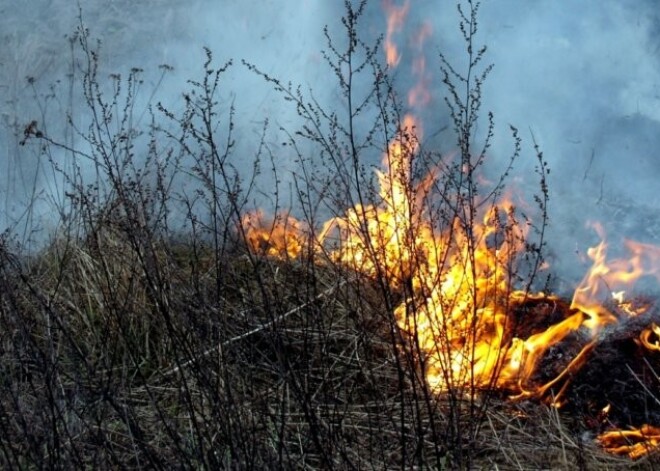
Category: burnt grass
<point>118,355</point>
<point>619,374</point>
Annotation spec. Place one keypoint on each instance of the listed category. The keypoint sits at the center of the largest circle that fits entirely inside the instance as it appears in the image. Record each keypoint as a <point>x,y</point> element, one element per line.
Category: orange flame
<point>612,279</point>
<point>282,236</point>
<point>615,278</point>
<point>458,311</point>
<point>457,283</point>
<point>395,19</point>
<point>650,337</point>
<point>633,443</point>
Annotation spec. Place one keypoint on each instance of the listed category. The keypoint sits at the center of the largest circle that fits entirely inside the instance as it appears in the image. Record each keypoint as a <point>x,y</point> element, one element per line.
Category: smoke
<point>583,80</point>
<point>283,41</point>
<point>582,77</point>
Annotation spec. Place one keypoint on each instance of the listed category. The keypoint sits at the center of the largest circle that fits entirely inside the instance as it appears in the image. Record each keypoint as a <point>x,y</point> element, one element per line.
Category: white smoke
<point>584,77</point>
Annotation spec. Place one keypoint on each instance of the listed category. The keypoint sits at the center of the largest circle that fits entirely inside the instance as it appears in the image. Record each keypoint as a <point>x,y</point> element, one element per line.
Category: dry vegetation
<point>291,367</point>
<point>128,344</point>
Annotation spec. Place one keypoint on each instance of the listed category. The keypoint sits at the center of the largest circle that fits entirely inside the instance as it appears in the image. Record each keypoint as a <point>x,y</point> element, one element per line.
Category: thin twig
<point>591,161</point>
<point>641,383</point>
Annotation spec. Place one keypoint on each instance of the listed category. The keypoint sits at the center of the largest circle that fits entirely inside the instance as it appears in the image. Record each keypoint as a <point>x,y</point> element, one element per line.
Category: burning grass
<point>291,367</point>
<point>408,331</point>
<point>462,318</point>
<point>595,357</point>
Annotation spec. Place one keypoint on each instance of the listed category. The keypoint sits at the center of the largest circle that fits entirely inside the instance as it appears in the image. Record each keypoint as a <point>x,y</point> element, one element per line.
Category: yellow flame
<point>282,236</point>
<point>456,284</point>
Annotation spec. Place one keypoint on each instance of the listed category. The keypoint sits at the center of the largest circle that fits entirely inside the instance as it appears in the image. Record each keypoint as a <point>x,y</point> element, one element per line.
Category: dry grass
<point>129,347</point>
<point>292,367</point>
<point>533,436</point>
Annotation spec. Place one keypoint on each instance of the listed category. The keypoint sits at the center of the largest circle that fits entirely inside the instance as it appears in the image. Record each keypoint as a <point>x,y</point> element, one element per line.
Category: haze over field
<point>583,76</point>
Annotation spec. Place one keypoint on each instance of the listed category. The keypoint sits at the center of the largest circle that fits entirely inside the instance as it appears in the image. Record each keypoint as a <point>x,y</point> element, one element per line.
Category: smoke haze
<point>582,77</point>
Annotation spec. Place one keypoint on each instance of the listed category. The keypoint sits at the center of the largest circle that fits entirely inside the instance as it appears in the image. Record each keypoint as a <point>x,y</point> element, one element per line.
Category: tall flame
<point>457,283</point>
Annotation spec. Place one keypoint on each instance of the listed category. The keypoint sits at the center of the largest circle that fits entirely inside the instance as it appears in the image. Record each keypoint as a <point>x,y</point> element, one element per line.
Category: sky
<point>582,78</point>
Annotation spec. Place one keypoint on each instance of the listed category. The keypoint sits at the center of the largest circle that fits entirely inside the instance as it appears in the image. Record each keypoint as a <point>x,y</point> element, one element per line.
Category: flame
<point>650,337</point>
<point>457,279</point>
<point>396,16</point>
<point>616,277</point>
<point>613,277</point>
<point>460,294</point>
<point>633,443</point>
<point>391,236</point>
<point>457,311</point>
<point>282,236</point>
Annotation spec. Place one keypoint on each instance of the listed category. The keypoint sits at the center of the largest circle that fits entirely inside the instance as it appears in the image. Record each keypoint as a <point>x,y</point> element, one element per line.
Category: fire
<point>392,236</point>
<point>458,310</point>
<point>395,19</point>
<point>460,292</point>
<point>613,278</point>
<point>458,314</point>
<point>633,443</point>
<point>458,281</point>
<point>650,337</point>
<point>419,95</point>
<point>282,236</point>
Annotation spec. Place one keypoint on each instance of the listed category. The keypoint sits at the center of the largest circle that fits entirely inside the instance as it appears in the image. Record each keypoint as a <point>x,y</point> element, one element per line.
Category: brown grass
<point>292,367</point>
